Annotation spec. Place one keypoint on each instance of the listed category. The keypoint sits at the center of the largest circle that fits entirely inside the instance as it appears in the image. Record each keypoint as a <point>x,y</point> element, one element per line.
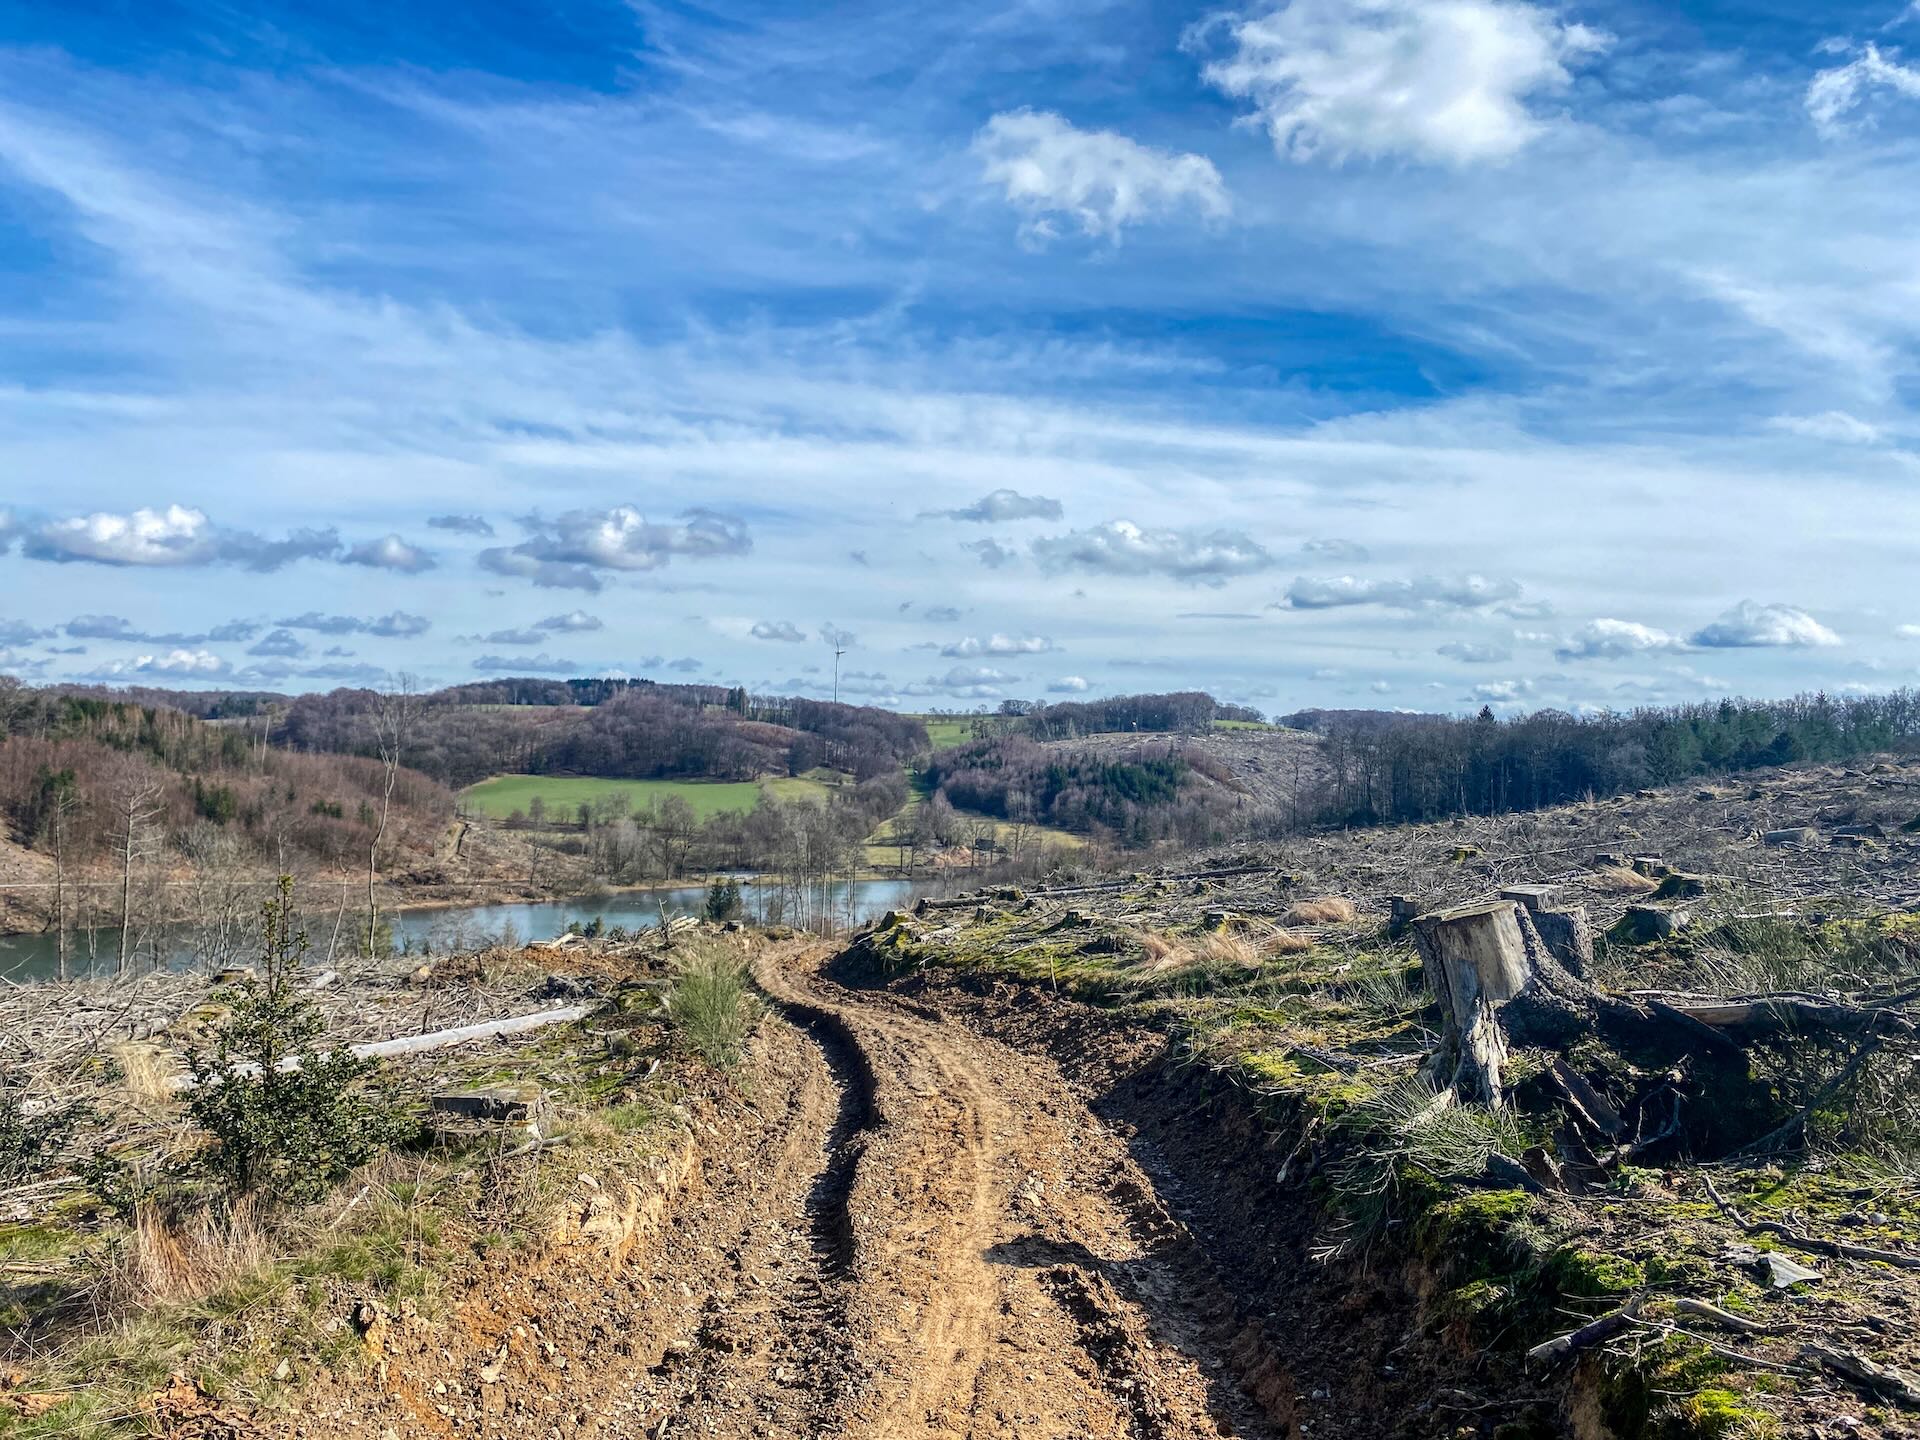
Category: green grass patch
<point>499,797</point>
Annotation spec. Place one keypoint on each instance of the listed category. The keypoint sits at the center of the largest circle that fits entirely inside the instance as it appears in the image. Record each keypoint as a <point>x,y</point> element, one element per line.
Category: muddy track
<point>897,1228</point>
<point>1010,1268</point>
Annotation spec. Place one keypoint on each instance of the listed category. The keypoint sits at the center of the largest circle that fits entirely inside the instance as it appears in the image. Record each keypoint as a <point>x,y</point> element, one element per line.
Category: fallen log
<point>406,1046</point>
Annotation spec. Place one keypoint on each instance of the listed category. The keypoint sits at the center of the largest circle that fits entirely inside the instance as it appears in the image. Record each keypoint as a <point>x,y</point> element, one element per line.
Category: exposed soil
<point>902,1229</point>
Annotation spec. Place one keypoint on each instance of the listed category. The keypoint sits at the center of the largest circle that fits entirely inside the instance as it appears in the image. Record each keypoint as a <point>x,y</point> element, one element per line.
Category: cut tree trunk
<point>1499,987</point>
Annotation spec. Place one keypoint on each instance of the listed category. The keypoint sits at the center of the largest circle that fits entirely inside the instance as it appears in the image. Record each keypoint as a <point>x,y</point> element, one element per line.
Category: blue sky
<point>1335,352</point>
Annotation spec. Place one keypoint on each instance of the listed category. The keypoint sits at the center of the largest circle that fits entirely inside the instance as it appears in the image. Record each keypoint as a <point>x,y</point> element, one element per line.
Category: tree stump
<point>1499,987</point>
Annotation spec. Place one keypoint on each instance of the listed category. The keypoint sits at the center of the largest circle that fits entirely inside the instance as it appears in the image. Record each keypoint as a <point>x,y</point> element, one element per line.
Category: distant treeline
<point>1186,712</point>
<point>636,731</point>
<point>1424,767</point>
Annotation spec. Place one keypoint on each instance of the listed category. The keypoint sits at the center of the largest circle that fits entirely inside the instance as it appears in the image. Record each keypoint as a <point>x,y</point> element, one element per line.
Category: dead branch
<point>1594,1332</point>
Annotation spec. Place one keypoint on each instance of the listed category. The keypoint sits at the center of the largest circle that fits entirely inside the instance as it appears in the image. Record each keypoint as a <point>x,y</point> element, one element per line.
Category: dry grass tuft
<point>1327,910</point>
<point>1618,880</point>
<point>172,1260</point>
<point>1285,942</point>
<point>1223,949</point>
<point>145,1071</point>
<point>1163,951</point>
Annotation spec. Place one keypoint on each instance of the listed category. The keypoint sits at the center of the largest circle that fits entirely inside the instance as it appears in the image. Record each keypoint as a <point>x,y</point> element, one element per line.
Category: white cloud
<point>782,630</point>
<point>180,662</point>
<point>1435,80</point>
<point>567,551</point>
<point>283,643</point>
<point>1444,592</point>
<point>1473,653</point>
<point>175,536</point>
<point>1334,548</point>
<point>1069,685</point>
<point>389,552</point>
<point>991,553</point>
<point>1503,692</point>
<point>395,625</point>
<point>1909,632</point>
<point>997,644</point>
<point>1748,624</point>
<point>574,622</point>
<point>462,524</point>
<point>1002,506</point>
<point>1834,94</point>
<point>1835,425</point>
<point>1616,639</point>
<point>1119,547</point>
<point>1098,180</point>
<point>541,664</point>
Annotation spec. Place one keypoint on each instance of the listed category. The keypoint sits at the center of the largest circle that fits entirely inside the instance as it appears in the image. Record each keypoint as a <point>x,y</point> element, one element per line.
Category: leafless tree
<point>135,802</point>
<point>393,715</point>
<point>62,807</point>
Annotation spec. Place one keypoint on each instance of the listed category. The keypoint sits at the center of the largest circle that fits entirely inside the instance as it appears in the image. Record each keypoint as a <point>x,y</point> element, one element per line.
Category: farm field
<point>500,796</point>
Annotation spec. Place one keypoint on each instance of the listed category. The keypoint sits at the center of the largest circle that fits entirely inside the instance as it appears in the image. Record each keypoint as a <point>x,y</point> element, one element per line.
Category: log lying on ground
<point>406,1046</point>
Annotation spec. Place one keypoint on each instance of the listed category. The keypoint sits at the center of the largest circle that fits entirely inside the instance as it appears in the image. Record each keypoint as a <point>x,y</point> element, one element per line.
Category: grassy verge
<point>185,1297</point>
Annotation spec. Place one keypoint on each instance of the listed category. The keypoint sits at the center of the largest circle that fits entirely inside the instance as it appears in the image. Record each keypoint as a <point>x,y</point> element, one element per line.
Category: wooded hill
<point>83,780</point>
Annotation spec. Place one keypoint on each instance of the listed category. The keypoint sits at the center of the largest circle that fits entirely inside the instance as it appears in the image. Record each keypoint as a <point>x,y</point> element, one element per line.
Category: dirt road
<point>908,1230</point>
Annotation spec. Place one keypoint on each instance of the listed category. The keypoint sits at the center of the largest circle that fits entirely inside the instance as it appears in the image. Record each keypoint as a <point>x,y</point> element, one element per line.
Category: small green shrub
<point>723,900</point>
<point>287,1120</point>
<point>30,1142</point>
<point>707,1006</point>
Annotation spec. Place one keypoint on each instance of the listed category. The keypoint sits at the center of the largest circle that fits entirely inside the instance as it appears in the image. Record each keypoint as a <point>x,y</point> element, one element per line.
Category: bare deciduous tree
<point>135,802</point>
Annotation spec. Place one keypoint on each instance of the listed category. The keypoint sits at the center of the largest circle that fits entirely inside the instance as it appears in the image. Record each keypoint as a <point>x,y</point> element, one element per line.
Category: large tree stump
<point>1499,987</point>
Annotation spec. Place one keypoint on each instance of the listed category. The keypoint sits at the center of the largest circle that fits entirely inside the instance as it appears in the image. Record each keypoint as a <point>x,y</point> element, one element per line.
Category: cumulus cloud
<point>838,638</point>
<point>462,525</point>
<point>940,614</point>
<point>1423,592</point>
<point>1751,625</point>
<point>1443,82</point>
<point>19,662</point>
<point>283,643</point>
<point>1503,692</point>
<point>541,664</point>
<point>175,536</point>
<point>389,552</point>
<point>18,632</point>
<point>970,682</point>
<point>1833,95</point>
<point>991,553</point>
<point>1002,506</point>
<point>395,625</point>
<point>1096,180</point>
<point>115,627</point>
<point>179,662</point>
<point>686,664</point>
<point>784,631</point>
<point>1468,652</point>
<point>1607,639</point>
<point>997,644</point>
<point>569,551</point>
<point>574,622</point>
<point>1119,547</point>
<point>9,529</point>
<point>1069,685</point>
